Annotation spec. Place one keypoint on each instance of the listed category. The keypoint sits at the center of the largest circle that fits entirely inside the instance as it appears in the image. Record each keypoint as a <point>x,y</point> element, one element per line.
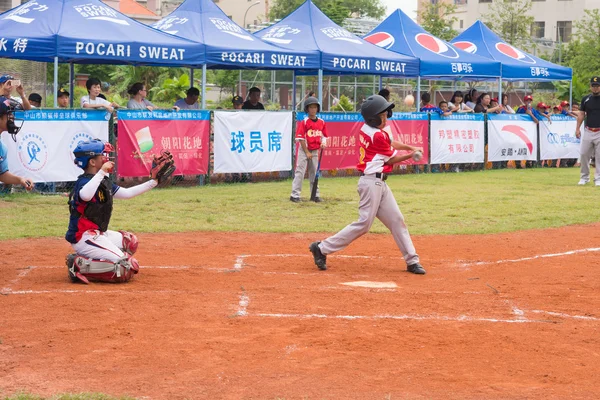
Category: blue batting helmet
<point>90,149</point>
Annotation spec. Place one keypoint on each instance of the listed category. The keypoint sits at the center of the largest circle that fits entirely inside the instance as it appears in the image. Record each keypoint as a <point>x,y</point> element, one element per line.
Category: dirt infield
<point>238,315</point>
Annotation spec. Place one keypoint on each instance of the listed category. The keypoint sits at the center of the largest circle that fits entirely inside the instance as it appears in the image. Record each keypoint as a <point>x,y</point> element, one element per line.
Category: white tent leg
<point>203,102</point>
<point>320,77</point>
<point>56,82</point>
<point>293,89</point>
<point>418,99</point>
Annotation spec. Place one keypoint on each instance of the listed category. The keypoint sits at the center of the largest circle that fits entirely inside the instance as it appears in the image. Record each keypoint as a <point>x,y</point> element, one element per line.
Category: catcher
<point>101,254</point>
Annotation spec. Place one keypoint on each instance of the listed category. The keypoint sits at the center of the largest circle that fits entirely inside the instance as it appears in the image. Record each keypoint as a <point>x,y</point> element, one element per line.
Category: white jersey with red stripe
<point>375,150</point>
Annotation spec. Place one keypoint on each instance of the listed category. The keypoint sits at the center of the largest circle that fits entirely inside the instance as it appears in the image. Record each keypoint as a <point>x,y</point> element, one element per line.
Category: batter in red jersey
<point>311,135</point>
<point>378,154</point>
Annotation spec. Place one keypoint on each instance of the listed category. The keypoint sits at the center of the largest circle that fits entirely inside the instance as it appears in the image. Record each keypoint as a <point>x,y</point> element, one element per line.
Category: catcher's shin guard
<point>82,269</point>
<point>130,242</point>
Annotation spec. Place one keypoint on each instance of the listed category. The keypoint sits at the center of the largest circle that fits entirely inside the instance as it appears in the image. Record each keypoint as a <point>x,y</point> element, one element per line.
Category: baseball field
<point>229,304</point>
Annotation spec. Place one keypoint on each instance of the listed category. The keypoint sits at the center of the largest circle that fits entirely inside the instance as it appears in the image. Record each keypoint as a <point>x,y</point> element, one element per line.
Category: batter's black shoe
<point>320,258</point>
<point>416,269</point>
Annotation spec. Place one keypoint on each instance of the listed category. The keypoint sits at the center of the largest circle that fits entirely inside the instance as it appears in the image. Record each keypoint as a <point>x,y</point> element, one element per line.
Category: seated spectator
<point>506,108</point>
<point>253,102</point>
<point>484,104</point>
<point>471,98</point>
<point>430,108</point>
<point>139,101</point>
<point>190,102</point>
<point>385,93</point>
<point>457,104</point>
<point>62,98</point>
<point>35,100</point>
<point>93,99</point>
<point>7,84</point>
<point>237,102</point>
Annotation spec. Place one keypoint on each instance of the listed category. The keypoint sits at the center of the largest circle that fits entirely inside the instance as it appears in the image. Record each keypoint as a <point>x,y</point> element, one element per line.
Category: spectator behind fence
<point>483,104</point>
<point>430,108</point>
<point>457,103</point>
<point>138,100</point>
<point>506,108</point>
<point>7,84</point>
<point>93,99</point>
<point>471,98</point>
<point>237,102</point>
<point>35,100</point>
<point>62,98</point>
<point>190,102</point>
<point>253,102</point>
<point>385,93</point>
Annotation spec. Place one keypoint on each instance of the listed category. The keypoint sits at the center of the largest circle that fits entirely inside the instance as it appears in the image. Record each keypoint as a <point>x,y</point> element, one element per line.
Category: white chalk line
<point>243,305</point>
<point>563,315</point>
<point>20,275</point>
<point>74,291</point>
<point>550,255</point>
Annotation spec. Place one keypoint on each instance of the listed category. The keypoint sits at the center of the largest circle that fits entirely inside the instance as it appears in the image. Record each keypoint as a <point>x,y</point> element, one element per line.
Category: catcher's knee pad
<point>130,242</point>
<point>82,269</point>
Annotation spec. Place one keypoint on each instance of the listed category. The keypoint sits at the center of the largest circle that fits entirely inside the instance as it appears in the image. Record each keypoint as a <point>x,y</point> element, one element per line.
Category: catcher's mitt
<point>163,166</point>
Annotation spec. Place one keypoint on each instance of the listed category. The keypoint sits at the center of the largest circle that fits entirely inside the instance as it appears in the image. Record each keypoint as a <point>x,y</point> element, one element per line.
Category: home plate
<point>368,284</point>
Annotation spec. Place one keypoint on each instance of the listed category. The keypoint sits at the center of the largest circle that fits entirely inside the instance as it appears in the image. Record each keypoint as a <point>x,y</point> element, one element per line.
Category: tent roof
<point>439,59</point>
<point>308,28</point>
<point>516,64</point>
<point>227,44</point>
<point>89,31</point>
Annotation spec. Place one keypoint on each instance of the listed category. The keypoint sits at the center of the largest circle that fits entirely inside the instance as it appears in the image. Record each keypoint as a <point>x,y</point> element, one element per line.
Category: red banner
<point>342,150</point>
<point>141,136</point>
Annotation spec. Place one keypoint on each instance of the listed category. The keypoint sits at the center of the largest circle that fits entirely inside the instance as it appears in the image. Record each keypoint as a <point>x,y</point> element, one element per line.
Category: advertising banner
<point>511,137</point>
<point>557,140</point>
<point>458,138</point>
<point>143,134</point>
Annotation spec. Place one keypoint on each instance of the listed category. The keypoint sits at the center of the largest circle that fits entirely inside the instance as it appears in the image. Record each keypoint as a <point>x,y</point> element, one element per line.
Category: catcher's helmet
<point>90,149</point>
<point>8,107</point>
<point>309,101</point>
<point>372,107</point>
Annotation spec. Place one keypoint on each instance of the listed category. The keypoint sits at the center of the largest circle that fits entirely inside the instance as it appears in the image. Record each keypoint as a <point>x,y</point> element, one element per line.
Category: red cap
<point>564,103</point>
<point>528,98</point>
<point>557,107</point>
<point>542,105</point>
<point>495,99</point>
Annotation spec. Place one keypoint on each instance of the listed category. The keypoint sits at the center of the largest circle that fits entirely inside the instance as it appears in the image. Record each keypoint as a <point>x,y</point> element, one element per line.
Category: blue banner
<point>63,115</point>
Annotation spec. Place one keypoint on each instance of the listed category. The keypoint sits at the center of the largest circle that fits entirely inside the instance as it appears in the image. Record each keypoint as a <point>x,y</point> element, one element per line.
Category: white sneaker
<point>583,182</point>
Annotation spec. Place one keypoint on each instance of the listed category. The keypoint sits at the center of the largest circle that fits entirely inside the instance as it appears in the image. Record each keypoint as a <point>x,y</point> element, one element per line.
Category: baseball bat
<point>313,193</point>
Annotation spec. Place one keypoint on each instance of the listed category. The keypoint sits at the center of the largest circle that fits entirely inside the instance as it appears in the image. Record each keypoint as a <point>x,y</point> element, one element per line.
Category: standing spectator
<point>484,104</point>
<point>62,98</point>
<point>471,98</point>
<point>7,84</point>
<point>7,124</point>
<point>457,103</point>
<point>542,108</point>
<point>139,101</point>
<point>564,109</point>
<point>191,100</point>
<point>385,93</point>
<point>237,102</point>
<point>429,108</point>
<point>506,108</point>
<point>590,142</point>
<point>35,100</point>
<point>93,99</point>
<point>253,102</point>
<point>529,110</point>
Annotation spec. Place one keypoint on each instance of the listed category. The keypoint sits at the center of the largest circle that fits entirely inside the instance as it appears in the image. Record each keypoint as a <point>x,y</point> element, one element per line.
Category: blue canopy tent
<point>89,32</point>
<point>308,29</point>
<point>438,59</point>
<point>228,46</point>
<point>517,65</point>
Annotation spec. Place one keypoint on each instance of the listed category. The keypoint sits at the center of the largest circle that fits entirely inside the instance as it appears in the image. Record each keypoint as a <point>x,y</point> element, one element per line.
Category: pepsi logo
<point>514,53</point>
<point>469,47</point>
<point>381,39</point>
<point>435,45</point>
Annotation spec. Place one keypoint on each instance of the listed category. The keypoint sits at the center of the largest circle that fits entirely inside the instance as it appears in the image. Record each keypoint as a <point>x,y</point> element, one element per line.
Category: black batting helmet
<point>309,101</point>
<point>372,107</point>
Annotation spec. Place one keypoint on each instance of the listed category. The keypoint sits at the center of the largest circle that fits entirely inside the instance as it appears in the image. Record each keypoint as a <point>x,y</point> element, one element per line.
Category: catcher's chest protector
<point>99,209</point>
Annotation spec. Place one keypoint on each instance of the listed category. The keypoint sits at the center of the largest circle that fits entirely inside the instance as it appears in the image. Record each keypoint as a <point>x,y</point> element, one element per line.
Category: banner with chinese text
<point>511,137</point>
<point>458,138</point>
<point>44,148</point>
<point>143,134</point>
<point>557,140</point>
<point>412,129</point>
<point>252,141</point>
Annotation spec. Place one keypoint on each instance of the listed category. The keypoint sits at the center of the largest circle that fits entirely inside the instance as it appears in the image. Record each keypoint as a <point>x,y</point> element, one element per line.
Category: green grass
<point>79,396</point>
<point>463,203</point>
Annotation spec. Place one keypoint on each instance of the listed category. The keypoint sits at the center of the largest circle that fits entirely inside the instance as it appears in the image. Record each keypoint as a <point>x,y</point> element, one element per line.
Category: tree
<point>582,52</point>
<point>438,19</point>
<point>172,89</point>
<point>225,79</point>
<point>511,20</point>
<point>126,75</point>
<point>336,10</point>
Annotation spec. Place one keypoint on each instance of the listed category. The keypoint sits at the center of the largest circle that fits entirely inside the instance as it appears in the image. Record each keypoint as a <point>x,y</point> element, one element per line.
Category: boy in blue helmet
<point>7,124</point>
<point>101,254</point>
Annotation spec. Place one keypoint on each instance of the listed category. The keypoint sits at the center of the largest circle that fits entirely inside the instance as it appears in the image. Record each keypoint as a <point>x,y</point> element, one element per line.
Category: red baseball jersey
<point>311,131</point>
<point>375,149</point>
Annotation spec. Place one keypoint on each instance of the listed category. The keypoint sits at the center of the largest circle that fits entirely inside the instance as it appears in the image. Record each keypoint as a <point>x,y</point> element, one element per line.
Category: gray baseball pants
<point>301,163</point>
<point>376,200</point>
<point>590,147</point>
